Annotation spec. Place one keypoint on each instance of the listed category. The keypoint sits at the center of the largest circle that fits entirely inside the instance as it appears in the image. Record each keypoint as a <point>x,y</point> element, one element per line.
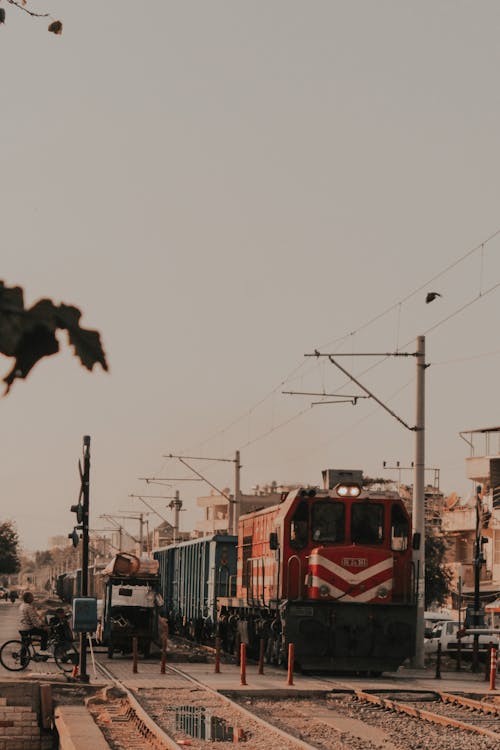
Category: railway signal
<point>81,509</point>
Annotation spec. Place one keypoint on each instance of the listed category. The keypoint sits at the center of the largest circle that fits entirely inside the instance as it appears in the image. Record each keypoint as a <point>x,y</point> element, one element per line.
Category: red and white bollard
<point>243,663</point>
<point>217,655</point>
<point>493,668</point>
<point>134,655</point>
<point>291,657</point>
<point>261,657</point>
<point>163,654</point>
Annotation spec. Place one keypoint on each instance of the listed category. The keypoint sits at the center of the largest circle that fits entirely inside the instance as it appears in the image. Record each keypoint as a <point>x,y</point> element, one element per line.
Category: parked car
<point>446,634</point>
<point>431,619</point>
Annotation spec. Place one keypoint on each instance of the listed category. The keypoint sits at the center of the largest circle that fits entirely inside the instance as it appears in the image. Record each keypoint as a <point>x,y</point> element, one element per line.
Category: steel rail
<point>236,706</point>
<point>159,738</point>
<point>425,715</point>
<point>483,707</point>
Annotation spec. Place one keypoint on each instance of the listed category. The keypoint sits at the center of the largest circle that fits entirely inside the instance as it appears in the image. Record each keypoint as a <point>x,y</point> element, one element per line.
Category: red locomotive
<point>331,572</point>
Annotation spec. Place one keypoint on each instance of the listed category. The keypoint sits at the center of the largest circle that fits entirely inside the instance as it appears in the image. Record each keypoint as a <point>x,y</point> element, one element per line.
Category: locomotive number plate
<point>303,611</point>
<point>355,562</point>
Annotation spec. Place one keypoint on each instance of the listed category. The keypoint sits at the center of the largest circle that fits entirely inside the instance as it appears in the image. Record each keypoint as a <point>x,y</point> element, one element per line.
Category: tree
<point>437,575</point>
<point>28,335</point>
<point>9,543</point>
<point>55,27</point>
<point>43,558</point>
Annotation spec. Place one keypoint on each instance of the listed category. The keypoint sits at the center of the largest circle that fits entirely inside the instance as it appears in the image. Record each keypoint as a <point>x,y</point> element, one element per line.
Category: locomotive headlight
<point>324,590</point>
<point>351,490</point>
<point>382,593</point>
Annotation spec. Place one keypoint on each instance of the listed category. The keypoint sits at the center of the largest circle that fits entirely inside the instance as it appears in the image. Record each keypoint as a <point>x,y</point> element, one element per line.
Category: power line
<point>341,339</point>
<point>397,305</point>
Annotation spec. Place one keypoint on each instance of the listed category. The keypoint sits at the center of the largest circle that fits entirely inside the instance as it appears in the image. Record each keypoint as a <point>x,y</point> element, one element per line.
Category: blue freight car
<point>193,575</point>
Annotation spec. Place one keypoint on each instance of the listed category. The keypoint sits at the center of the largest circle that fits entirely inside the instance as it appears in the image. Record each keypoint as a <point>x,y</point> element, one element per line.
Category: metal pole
<point>419,500</point>
<point>459,636</point>
<point>236,504</point>
<point>177,507</point>
<point>477,578</point>
<point>85,478</point>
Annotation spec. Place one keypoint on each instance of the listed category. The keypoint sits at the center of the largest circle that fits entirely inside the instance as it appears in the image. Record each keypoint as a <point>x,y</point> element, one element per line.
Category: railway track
<point>478,717</point>
<point>189,714</point>
<point>179,710</point>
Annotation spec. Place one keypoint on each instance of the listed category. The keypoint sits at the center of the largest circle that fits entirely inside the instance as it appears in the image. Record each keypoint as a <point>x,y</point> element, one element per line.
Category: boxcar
<point>193,575</point>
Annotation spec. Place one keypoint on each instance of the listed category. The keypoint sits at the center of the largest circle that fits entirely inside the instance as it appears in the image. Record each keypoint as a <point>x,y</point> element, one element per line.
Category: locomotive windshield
<point>367,523</point>
<point>328,521</point>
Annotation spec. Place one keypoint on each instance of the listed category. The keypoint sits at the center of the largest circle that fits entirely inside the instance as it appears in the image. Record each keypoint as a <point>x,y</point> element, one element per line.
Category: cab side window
<point>299,526</point>
<point>400,529</point>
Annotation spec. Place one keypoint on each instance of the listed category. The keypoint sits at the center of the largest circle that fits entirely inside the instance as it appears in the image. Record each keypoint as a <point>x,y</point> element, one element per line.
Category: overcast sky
<point>223,187</point>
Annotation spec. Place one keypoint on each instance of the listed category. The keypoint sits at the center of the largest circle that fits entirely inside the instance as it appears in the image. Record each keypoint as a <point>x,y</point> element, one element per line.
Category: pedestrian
<point>30,622</point>
<point>13,595</point>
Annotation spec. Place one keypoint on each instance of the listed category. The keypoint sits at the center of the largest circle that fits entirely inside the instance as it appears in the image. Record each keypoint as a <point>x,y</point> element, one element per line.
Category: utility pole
<point>232,514</point>
<point>233,529</point>
<point>175,504</point>
<point>85,492</point>
<point>419,469</point>
<point>418,520</point>
<point>478,561</point>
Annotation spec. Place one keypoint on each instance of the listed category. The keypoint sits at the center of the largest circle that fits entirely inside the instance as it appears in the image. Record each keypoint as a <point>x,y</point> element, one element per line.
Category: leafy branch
<point>55,27</point>
<point>29,334</point>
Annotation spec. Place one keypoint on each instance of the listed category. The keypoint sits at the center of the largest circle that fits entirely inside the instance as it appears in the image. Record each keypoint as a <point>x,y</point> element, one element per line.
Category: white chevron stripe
<point>347,575</point>
<point>363,596</point>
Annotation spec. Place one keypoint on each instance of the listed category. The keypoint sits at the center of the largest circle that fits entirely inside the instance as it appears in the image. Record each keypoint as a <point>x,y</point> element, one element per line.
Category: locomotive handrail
<point>228,581</point>
<point>250,574</point>
<point>414,583</point>
<point>299,579</point>
<point>222,569</point>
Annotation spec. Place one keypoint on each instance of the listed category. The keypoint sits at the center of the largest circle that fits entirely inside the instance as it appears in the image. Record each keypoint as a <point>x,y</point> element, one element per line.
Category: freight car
<point>69,585</point>
<point>331,572</point>
<point>193,576</point>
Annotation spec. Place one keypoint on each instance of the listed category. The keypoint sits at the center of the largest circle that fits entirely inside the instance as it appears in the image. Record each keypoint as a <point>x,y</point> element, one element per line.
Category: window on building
<point>496,548</point>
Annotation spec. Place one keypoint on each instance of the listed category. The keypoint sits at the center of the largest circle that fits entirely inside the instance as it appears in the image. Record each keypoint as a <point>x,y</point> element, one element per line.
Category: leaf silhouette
<point>56,27</point>
<point>28,335</point>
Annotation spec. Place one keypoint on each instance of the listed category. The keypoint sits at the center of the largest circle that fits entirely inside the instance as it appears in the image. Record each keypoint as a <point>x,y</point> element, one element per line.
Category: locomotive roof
<point>200,540</point>
<point>322,495</point>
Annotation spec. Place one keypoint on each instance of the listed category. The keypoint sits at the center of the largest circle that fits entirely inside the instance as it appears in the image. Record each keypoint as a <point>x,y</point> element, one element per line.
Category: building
<point>477,516</point>
<point>216,506</point>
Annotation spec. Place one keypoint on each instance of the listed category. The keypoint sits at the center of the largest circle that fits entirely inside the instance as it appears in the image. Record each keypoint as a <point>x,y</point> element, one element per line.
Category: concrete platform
<point>275,680</point>
<point>77,729</point>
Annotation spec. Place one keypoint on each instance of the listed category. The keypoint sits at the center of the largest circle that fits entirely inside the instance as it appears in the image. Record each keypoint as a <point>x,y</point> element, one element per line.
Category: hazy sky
<point>222,187</point>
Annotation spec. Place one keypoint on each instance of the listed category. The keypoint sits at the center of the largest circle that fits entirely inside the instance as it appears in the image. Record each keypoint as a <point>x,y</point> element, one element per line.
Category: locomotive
<point>328,570</point>
<point>331,572</point>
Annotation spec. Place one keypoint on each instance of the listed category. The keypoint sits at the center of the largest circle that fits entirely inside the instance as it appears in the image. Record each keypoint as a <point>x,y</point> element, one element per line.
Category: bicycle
<point>15,655</point>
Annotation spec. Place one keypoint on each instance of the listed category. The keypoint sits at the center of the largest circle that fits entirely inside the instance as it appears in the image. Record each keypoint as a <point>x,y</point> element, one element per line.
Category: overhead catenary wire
<point>398,305</point>
<point>339,340</point>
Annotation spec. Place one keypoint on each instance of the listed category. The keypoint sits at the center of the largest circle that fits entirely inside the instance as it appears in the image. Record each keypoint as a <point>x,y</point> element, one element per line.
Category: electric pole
<point>418,513</point>
<point>175,504</point>
<point>85,498</point>
<point>418,520</point>
<point>234,502</point>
